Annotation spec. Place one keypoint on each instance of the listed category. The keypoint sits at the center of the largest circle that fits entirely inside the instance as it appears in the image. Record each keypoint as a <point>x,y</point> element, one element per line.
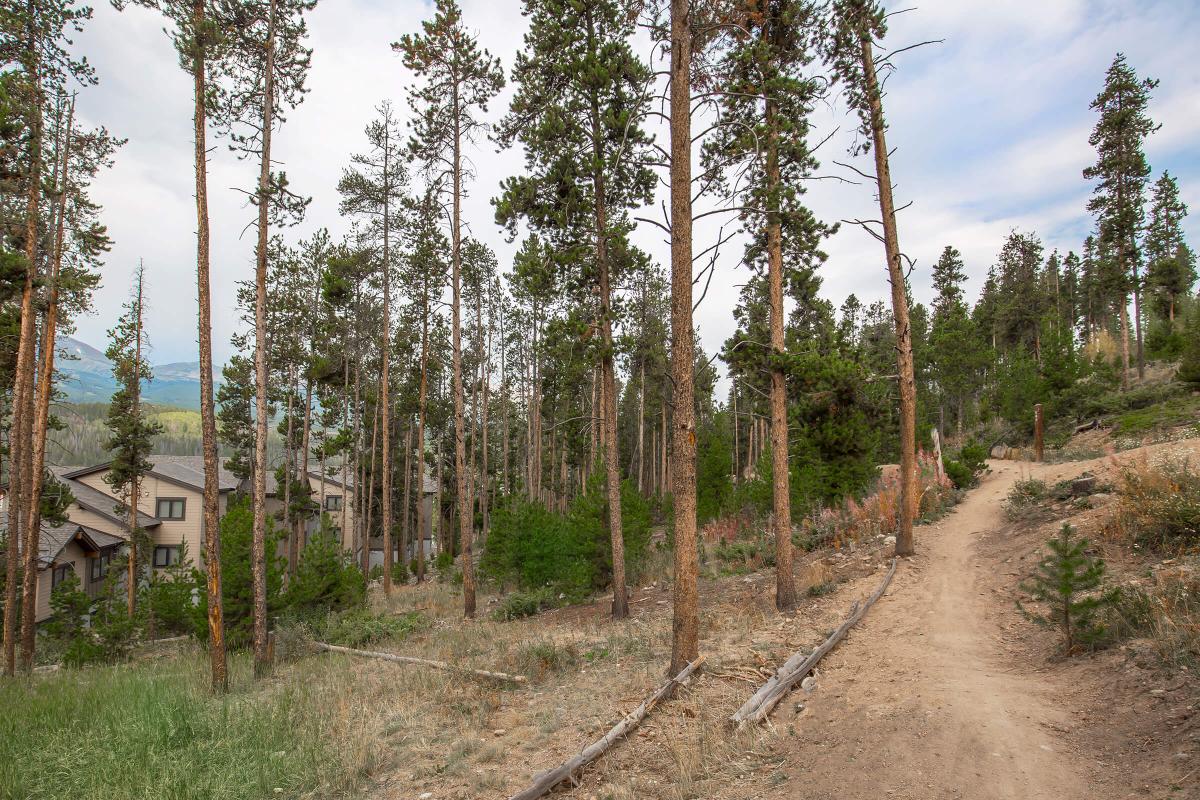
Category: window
<point>333,502</point>
<point>166,556</point>
<point>169,508</point>
<point>60,573</point>
<point>100,566</point>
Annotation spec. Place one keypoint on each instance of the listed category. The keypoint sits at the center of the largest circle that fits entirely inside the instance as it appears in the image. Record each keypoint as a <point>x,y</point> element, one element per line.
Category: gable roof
<point>53,539</point>
<point>186,471</point>
<point>97,501</point>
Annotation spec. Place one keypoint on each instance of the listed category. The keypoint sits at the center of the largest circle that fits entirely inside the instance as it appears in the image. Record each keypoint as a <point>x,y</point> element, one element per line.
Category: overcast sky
<point>990,130</point>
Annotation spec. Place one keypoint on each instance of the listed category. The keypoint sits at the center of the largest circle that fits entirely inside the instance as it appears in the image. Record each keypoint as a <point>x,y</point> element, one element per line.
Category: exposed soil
<point>943,691</point>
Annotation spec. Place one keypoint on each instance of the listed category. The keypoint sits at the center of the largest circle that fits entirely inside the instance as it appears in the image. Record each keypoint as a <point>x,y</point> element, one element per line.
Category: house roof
<point>185,471</point>
<point>53,539</point>
<point>97,501</point>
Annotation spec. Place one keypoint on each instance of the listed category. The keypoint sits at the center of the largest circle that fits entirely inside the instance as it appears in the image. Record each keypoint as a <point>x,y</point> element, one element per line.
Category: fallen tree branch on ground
<point>423,662</point>
<point>545,781</point>
<point>796,668</point>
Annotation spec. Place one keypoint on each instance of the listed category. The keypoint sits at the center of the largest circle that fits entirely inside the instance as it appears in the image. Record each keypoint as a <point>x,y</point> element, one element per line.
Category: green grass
<point>154,731</point>
<point>1176,411</point>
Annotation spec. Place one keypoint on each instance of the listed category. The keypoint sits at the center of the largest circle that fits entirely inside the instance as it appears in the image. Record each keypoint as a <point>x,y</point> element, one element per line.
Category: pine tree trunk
<point>460,454</point>
<point>258,562</point>
<point>406,516</point>
<point>422,395</point>
<point>904,349</point>
<point>135,494</point>
<point>612,456</point>
<point>289,472</point>
<point>1125,341</point>
<point>785,583</point>
<point>21,431</point>
<point>366,555</point>
<point>685,625</point>
<point>45,385</point>
<point>484,480</point>
<point>208,418</point>
<point>385,349</point>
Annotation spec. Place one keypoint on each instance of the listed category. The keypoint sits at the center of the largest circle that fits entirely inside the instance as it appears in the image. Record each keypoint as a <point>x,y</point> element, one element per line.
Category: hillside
<point>87,378</point>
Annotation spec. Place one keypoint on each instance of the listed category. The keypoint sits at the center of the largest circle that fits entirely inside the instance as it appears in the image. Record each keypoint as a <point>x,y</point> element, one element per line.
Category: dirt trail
<point>928,699</point>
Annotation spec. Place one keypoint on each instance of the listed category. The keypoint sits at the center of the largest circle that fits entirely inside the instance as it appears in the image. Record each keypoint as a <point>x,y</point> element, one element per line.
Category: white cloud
<point>990,129</point>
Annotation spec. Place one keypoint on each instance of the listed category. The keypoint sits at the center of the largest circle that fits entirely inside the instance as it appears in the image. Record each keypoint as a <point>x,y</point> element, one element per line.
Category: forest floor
<point>943,691</point>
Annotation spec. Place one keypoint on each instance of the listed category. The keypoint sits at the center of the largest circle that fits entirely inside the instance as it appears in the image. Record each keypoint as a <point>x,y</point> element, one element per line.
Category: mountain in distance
<point>87,378</point>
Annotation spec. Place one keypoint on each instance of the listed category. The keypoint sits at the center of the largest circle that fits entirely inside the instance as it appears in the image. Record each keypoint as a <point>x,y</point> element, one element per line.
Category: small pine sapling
<point>1067,581</point>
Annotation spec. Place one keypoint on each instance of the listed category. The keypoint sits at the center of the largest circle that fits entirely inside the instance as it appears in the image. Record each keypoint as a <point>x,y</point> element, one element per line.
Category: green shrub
<point>167,604</point>
<point>541,657</point>
<point>237,528</point>
<point>532,547</point>
<point>326,579</point>
<point>1025,498</point>
<point>516,605</point>
<point>967,465</point>
<point>1160,504</point>
<point>1189,360</point>
<point>399,572</point>
<point>818,589</point>
<point>1067,582</point>
<point>358,627</point>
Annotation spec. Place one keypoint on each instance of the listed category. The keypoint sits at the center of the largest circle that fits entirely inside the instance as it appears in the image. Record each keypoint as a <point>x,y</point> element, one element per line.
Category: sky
<point>989,129</point>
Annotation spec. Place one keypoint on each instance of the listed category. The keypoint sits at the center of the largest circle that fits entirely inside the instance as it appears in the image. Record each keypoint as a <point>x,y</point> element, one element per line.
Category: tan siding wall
<point>336,516</point>
<point>170,532</point>
<point>71,553</point>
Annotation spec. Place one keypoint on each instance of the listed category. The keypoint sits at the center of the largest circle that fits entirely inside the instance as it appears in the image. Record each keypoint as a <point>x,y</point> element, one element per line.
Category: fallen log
<point>796,668</point>
<point>545,781</point>
<point>423,662</point>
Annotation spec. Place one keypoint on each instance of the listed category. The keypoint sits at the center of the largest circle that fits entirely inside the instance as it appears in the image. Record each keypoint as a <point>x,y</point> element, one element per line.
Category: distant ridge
<point>87,378</point>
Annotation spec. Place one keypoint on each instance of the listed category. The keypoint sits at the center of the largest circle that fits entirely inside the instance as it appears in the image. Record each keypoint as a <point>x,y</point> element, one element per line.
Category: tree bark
<point>20,451</point>
<point>258,562</point>
<point>422,394</point>
<point>904,350</point>
<point>785,584</point>
<point>45,387</point>
<point>612,456</point>
<point>405,516</point>
<point>460,454</point>
<point>208,417</point>
<point>685,625</point>
<point>385,349</point>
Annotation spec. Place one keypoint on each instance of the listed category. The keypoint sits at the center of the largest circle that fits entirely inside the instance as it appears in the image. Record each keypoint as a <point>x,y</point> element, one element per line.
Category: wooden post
<point>1038,443</point>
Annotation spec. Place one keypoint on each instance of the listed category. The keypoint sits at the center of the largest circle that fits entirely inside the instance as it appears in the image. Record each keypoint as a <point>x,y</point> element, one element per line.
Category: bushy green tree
<point>1189,362</point>
<point>169,599</point>
<point>237,532</point>
<point>714,469</point>
<point>1067,580</point>
<point>326,578</point>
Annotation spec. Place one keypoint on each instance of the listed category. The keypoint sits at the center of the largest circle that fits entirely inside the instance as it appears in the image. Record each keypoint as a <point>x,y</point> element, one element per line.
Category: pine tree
<point>456,81</point>
<point>766,100</point>
<point>1170,263</point>
<point>375,186</point>
<point>1067,580</point>
<point>197,36</point>
<point>853,29</point>
<point>267,65</point>
<point>1121,172</point>
<point>957,354</point>
<point>580,88</point>
<point>36,41</point>
<point>132,433</point>
<point>1189,362</point>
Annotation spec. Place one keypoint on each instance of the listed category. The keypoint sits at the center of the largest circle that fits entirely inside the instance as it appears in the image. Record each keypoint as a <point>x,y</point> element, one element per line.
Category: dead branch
<point>796,668</point>
<point>543,782</point>
<point>423,662</point>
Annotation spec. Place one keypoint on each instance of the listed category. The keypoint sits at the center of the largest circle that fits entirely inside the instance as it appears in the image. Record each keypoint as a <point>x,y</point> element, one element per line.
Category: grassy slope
<point>152,730</point>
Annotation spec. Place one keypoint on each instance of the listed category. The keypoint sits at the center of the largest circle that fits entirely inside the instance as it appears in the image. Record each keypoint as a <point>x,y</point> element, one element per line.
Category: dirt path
<point>929,699</point>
